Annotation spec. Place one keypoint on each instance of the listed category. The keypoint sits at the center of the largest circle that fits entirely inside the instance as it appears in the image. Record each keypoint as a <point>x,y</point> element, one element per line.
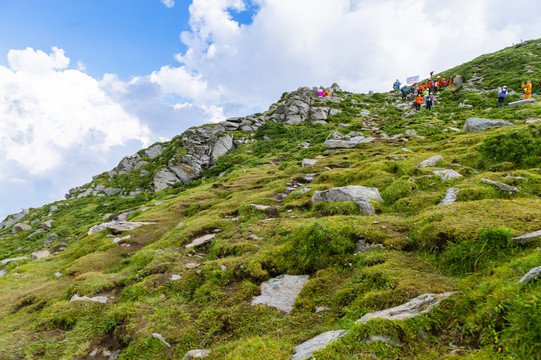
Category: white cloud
<point>168,3</point>
<point>361,44</point>
<point>55,120</point>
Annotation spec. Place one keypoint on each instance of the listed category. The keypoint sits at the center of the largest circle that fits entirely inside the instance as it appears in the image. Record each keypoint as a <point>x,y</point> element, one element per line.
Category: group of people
<point>321,93</point>
<point>425,91</point>
<point>502,92</point>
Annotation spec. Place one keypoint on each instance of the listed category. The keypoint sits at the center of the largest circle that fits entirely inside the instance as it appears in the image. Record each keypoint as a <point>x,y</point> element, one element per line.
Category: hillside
<point>356,202</point>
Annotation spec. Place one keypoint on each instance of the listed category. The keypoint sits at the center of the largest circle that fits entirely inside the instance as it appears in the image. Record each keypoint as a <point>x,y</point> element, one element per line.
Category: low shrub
<point>522,147</point>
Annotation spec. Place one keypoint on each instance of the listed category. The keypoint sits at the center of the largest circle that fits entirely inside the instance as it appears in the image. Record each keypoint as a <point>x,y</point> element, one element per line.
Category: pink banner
<point>412,79</point>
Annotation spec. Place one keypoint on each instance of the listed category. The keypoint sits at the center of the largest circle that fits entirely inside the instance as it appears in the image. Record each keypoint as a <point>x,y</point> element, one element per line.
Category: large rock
<point>477,124</point>
<point>458,80</point>
<point>100,299</point>
<point>201,241</point>
<point>521,102</point>
<point>154,151</point>
<point>347,144</point>
<point>281,292</point>
<point>7,261</point>
<point>20,227</point>
<point>447,174</point>
<point>527,238</point>
<point>431,161</point>
<point>420,304</point>
<point>307,348</point>
<point>122,226</point>
<point>40,255</point>
<point>347,193</point>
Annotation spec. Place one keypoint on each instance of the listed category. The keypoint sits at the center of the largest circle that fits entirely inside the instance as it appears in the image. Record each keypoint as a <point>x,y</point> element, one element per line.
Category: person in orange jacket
<point>450,82</point>
<point>418,101</point>
<point>326,93</point>
<point>422,88</point>
<point>527,90</point>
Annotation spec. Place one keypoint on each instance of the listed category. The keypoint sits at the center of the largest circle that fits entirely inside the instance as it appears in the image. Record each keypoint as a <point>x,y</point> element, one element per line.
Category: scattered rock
<point>196,354</point>
<point>307,348</point>
<point>410,132</point>
<point>100,299</point>
<point>362,246</point>
<point>347,193</point>
<point>383,338</point>
<point>7,261</point>
<point>450,196</point>
<point>192,265</point>
<point>40,255</point>
<point>47,225</point>
<point>521,102</point>
<point>531,275</point>
<point>201,240</point>
<point>447,174</point>
<point>414,307</point>
<point>175,277</point>
<point>281,292</point>
<point>122,226</point>
<point>260,207</point>
<point>432,161</point>
<point>303,191</point>
<point>322,309</point>
<point>532,121</point>
<point>500,185</point>
<point>477,124</point>
<point>527,238</point>
<point>57,274</point>
<point>308,162</point>
<point>161,338</point>
<point>14,218</point>
<point>20,227</point>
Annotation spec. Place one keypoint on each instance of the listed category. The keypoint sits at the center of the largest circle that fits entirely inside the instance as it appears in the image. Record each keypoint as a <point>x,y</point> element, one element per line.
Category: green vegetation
<point>200,297</point>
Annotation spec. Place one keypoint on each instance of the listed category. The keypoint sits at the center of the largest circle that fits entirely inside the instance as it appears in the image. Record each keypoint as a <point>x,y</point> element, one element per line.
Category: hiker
<point>450,82</point>
<point>502,93</point>
<point>527,90</point>
<point>421,89</point>
<point>430,84</point>
<point>438,84</point>
<point>404,92</point>
<point>444,83</point>
<point>429,100</point>
<point>413,89</point>
<point>396,85</point>
<point>326,93</point>
<point>418,101</point>
<point>320,93</point>
<point>432,73</point>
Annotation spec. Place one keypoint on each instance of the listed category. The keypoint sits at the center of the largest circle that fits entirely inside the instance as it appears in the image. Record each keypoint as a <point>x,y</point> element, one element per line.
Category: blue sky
<point>85,82</point>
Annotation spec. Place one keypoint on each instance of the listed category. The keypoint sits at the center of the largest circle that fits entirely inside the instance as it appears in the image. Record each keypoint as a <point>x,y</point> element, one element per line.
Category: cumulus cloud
<point>51,116</point>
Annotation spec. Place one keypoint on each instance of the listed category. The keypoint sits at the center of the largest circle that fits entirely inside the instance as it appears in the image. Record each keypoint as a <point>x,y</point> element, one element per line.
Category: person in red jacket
<point>418,101</point>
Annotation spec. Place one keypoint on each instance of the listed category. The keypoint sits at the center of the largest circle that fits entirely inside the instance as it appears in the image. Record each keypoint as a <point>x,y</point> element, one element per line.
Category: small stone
<point>161,338</point>
<point>531,275</point>
<point>432,161</point>
<point>58,274</point>
<point>175,277</point>
<point>322,309</point>
<point>308,162</point>
<point>223,268</point>
<point>196,354</point>
<point>526,238</point>
<point>281,292</point>
<point>40,255</point>
<point>192,265</point>
<point>100,299</point>
<point>500,185</point>
<point>179,225</point>
<point>201,241</point>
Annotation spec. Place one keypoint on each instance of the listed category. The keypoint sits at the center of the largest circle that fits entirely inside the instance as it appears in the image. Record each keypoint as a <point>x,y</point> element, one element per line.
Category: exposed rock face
<point>13,219</point>
<point>477,124</point>
<point>281,292</point>
<point>414,307</point>
<point>203,145</point>
<point>307,348</point>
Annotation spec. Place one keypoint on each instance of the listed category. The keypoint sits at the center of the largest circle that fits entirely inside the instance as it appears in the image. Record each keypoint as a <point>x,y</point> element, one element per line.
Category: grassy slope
<point>429,248</point>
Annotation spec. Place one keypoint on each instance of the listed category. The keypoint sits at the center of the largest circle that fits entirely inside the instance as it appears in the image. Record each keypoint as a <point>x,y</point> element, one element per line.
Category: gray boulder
<point>281,292</point>
<point>419,305</point>
<point>458,80</point>
<point>347,193</point>
<point>450,197</point>
<point>154,151</point>
<point>500,185</point>
<point>307,348</point>
<point>478,124</point>
<point>40,254</point>
<point>20,227</point>
<point>196,354</point>
<point>447,174</point>
<point>521,102</point>
<point>431,161</point>
<point>201,241</point>
<point>526,238</point>
<point>123,226</point>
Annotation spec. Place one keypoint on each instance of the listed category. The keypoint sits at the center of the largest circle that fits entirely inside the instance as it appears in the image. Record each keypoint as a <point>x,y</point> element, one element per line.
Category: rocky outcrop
<point>478,124</point>
<point>281,292</point>
<point>203,146</point>
<point>20,227</point>
<point>13,219</point>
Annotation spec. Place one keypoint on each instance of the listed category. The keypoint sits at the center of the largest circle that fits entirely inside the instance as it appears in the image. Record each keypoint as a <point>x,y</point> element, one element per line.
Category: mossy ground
<point>490,315</point>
